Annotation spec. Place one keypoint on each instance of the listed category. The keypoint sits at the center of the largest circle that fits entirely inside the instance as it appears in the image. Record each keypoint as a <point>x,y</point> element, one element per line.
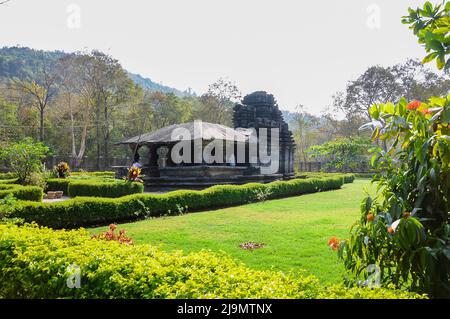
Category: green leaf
<point>430,57</point>
<point>436,45</point>
<point>440,61</point>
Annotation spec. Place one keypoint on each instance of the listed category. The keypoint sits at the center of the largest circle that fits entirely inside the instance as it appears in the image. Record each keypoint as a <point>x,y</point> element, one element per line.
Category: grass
<point>294,230</point>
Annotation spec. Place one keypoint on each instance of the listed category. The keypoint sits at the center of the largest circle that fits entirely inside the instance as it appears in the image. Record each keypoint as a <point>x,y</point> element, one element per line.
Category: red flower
<point>390,230</point>
<point>370,217</point>
<point>425,111</point>
<point>113,227</point>
<point>333,242</point>
<point>414,105</point>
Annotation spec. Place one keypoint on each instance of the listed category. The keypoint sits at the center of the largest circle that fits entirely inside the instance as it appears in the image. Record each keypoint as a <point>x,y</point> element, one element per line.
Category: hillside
<point>20,62</point>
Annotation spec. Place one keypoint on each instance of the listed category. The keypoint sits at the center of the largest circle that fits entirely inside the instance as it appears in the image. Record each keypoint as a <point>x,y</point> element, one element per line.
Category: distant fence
<point>87,163</point>
<point>310,166</point>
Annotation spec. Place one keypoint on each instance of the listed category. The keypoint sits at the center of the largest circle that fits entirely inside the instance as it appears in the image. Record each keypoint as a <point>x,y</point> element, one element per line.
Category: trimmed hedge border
<point>348,177</point>
<point>29,193</point>
<point>35,264</point>
<point>7,175</point>
<point>57,184</point>
<point>89,211</point>
<point>103,189</point>
<point>8,181</point>
<point>95,174</point>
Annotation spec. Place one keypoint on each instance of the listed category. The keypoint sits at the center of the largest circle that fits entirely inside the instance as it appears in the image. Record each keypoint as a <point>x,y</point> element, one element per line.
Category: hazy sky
<point>301,51</point>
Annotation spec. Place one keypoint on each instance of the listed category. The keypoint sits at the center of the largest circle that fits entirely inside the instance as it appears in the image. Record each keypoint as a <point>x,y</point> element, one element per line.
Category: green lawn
<point>295,231</point>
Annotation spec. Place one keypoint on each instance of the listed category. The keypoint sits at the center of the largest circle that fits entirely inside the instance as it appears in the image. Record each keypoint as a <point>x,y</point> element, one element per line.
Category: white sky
<point>301,51</point>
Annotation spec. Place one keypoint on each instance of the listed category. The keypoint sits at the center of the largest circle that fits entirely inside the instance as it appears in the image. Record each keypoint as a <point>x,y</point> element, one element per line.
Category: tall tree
<point>110,86</point>
<point>41,88</point>
<point>217,103</point>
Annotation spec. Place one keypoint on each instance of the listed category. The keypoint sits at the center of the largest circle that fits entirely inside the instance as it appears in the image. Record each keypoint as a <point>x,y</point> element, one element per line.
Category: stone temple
<point>259,148</point>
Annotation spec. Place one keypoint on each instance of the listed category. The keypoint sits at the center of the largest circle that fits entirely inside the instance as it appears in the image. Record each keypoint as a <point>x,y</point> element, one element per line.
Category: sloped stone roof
<point>195,130</point>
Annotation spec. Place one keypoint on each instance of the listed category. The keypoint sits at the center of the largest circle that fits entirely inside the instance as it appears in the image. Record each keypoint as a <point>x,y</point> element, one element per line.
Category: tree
<point>24,158</point>
<point>218,102</point>
<point>110,87</point>
<point>303,133</point>
<point>41,88</point>
<point>431,25</point>
<point>345,154</point>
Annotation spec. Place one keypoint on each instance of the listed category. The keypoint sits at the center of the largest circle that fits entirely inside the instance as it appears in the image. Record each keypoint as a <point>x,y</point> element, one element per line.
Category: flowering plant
<point>111,235</point>
<point>63,169</point>
<point>133,174</point>
<point>405,229</point>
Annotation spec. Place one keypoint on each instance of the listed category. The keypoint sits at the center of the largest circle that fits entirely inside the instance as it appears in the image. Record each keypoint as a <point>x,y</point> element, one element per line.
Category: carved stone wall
<point>260,110</point>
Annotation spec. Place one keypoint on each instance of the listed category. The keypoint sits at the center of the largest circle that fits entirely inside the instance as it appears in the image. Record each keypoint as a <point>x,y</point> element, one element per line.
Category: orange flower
<point>333,242</point>
<point>425,111</point>
<point>448,126</point>
<point>406,214</point>
<point>390,230</point>
<point>414,105</point>
<point>113,227</point>
<point>370,217</point>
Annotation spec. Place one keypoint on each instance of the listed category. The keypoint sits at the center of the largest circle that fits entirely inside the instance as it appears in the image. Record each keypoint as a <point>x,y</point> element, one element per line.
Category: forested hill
<point>21,61</point>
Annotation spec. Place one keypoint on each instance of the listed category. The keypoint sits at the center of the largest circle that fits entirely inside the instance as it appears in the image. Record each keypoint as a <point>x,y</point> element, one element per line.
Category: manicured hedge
<point>95,174</point>
<point>87,211</point>
<point>348,177</point>
<point>8,175</point>
<point>8,181</point>
<point>29,193</point>
<point>62,184</point>
<point>104,189</point>
<point>58,184</point>
<point>35,263</point>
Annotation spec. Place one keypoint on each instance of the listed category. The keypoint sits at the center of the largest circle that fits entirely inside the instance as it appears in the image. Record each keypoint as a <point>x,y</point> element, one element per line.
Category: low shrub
<point>8,181</point>
<point>62,184</point>
<point>28,193</point>
<point>8,175</point>
<point>94,174</point>
<point>87,211</point>
<point>365,175</point>
<point>348,177</point>
<point>58,184</point>
<point>96,188</point>
<point>39,263</point>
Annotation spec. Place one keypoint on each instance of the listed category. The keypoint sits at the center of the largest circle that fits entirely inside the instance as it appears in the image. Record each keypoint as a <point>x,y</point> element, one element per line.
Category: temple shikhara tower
<point>260,110</point>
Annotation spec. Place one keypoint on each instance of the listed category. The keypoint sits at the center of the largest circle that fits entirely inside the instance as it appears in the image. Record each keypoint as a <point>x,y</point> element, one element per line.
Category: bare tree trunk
<point>97,133</point>
<point>41,123</point>
<point>106,134</point>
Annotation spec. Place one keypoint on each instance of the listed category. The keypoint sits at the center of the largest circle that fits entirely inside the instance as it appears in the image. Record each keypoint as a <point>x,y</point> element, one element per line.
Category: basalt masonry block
<point>260,110</point>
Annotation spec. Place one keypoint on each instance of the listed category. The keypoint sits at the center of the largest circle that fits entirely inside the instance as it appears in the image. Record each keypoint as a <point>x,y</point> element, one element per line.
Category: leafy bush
<point>8,181</point>
<point>62,184</point>
<point>103,189</point>
<point>345,154</point>
<point>24,158</point>
<point>7,175</point>
<point>29,193</point>
<point>39,262</point>
<point>405,229</point>
<point>58,184</point>
<point>83,211</point>
<point>35,179</point>
<point>94,174</point>
<point>348,178</point>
